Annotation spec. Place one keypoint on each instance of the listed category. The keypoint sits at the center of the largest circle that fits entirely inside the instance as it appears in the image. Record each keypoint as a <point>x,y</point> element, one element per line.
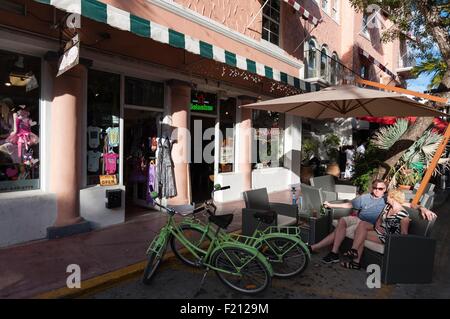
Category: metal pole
<point>257,14</point>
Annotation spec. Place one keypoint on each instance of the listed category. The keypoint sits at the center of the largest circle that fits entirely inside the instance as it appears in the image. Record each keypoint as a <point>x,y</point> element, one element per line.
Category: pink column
<point>180,99</point>
<point>66,119</point>
<point>245,126</point>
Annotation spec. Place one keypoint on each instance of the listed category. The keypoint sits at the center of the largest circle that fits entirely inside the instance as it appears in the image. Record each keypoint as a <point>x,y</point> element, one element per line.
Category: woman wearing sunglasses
<point>394,219</point>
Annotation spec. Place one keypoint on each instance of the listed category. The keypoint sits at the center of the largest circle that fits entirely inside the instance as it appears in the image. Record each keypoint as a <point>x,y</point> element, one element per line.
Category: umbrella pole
<point>432,166</point>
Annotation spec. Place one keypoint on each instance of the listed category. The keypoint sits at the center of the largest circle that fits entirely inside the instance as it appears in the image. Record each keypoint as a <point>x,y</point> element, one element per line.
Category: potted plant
<point>406,178</point>
<point>331,144</point>
<point>309,149</point>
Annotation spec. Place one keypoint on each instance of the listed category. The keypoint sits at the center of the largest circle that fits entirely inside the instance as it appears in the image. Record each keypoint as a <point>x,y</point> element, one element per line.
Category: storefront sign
<point>19,185</point>
<point>71,55</point>
<point>108,180</point>
<point>203,102</point>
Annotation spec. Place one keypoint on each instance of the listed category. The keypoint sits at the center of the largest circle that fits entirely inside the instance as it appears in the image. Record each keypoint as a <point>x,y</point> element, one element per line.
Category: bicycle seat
<point>266,217</point>
<point>223,221</point>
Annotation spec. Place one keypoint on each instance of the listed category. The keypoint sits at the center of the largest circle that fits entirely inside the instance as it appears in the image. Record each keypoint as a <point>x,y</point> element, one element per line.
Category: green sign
<point>203,102</point>
<point>198,107</point>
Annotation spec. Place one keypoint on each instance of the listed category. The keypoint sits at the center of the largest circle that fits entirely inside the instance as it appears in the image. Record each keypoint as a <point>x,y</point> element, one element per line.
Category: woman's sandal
<point>351,253</point>
<point>351,265</point>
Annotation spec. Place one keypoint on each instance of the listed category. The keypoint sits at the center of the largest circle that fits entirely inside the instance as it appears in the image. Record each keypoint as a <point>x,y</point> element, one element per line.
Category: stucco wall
<point>25,216</point>
<point>235,14</point>
<point>92,207</point>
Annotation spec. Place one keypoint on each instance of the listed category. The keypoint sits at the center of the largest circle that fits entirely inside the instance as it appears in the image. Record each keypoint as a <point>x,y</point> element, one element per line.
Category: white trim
<point>118,18</point>
<point>159,33</point>
<point>191,44</point>
<point>218,54</point>
<point>122,133</point>
<point>223,30</point>
<point>73,6</point>
<point>84,139</point>
<point>241,62</point>
<point>260,70</point>
<point>276,75</point>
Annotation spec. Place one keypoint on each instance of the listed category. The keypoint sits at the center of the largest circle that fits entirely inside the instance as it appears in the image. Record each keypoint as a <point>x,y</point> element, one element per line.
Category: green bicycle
<point>282,246</point>
<point>239,266</point>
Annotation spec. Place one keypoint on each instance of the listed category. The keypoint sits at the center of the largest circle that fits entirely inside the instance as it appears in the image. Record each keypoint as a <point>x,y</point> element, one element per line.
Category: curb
<point>102,282</point>
<point>99,283</point>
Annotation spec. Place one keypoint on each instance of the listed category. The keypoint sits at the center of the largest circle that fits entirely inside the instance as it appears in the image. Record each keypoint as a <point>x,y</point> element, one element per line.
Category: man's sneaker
<point>330,258</point>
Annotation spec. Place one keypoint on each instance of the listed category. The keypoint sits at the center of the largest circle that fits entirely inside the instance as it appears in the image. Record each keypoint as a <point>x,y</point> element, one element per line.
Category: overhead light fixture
<point>20,78</point>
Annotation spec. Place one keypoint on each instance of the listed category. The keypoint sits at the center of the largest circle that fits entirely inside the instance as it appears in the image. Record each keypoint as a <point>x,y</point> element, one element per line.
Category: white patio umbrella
<point>346,101</point>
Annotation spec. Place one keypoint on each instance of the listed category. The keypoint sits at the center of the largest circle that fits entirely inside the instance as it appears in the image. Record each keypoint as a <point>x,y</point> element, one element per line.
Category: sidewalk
<point>29,270</point>
<point>38,269</point>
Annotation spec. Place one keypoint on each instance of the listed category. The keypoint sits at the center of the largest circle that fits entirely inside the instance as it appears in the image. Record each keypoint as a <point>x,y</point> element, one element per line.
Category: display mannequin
<point>21,134</point>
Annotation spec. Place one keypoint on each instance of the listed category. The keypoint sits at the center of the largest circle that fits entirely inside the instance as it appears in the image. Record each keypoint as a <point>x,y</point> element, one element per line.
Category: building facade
<point>161,69</point>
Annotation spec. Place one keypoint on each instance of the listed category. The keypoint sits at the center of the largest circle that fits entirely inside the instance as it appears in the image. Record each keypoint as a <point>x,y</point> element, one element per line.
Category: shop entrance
<point>202,173</point>
<point>140,133</point>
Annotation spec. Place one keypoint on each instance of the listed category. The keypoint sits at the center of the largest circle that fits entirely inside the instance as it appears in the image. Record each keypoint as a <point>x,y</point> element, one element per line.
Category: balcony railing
<point>406,60</point>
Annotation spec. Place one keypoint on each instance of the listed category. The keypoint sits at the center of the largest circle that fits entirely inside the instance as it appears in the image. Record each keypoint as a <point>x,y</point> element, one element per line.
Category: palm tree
<point>435,66</point>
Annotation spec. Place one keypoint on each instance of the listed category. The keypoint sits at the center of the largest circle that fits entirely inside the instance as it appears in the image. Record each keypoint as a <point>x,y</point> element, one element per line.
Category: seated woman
<point>394,219</point>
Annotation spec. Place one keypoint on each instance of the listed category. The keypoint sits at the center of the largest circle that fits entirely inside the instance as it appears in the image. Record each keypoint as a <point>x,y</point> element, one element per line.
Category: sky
<point>420,84</point>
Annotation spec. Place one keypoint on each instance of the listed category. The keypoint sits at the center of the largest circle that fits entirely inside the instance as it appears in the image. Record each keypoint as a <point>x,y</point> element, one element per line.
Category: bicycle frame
<point>220,240</point>
<point>257,239</point>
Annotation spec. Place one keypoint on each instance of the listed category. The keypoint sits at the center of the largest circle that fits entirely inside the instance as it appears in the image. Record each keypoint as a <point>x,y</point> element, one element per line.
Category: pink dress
<point>23,136</point>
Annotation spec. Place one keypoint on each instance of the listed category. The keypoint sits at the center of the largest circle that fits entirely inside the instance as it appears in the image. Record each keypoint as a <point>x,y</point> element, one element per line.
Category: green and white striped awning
<point>127,21</point>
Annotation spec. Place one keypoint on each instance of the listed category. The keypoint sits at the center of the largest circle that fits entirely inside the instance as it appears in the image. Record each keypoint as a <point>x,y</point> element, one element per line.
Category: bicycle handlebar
<point>172,211</point>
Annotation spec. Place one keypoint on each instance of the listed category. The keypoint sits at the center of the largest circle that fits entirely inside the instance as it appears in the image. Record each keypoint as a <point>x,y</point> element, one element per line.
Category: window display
<point>268,139</point>
<point>103,135</point>
<point>19,122</point>
<point>227,127</point>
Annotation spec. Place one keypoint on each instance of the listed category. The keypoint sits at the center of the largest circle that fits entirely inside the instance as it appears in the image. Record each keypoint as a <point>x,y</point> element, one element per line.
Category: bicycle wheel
<point>153,263</point>
<point>287,256</point>
<point>196,237</point>
<point>244,272</point>
<point>154,260</point>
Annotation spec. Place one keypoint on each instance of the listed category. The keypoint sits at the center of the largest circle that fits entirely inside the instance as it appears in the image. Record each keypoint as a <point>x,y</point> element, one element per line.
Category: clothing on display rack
<point>151,179</point>
<point>110,162</point>
<point>94,136</point>
<point>165,178</point>
<point>113,136</point>
<point>93,161</point>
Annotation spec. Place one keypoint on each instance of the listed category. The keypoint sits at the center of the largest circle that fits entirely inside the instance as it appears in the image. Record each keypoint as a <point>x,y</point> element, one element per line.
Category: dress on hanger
<point>165,178</point>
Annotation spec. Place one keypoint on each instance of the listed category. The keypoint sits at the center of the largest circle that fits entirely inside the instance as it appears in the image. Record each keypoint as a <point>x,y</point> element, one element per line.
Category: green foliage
<point>436,67</point>
<point>386,136</point>
<point>366,166</point>
<point>406,176</point>
<point>331,144</point>
<point>309,148</point>
<point>423,150</point>
<point>418,156</point>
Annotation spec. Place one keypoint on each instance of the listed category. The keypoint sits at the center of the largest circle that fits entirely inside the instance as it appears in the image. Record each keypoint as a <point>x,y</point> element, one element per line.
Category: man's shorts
<point>351,221</point>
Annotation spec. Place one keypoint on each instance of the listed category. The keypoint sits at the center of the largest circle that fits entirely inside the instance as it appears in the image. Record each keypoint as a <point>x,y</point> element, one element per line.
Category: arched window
<point>334,68</point>
<point>312,60</point>
<point>324,63</point>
